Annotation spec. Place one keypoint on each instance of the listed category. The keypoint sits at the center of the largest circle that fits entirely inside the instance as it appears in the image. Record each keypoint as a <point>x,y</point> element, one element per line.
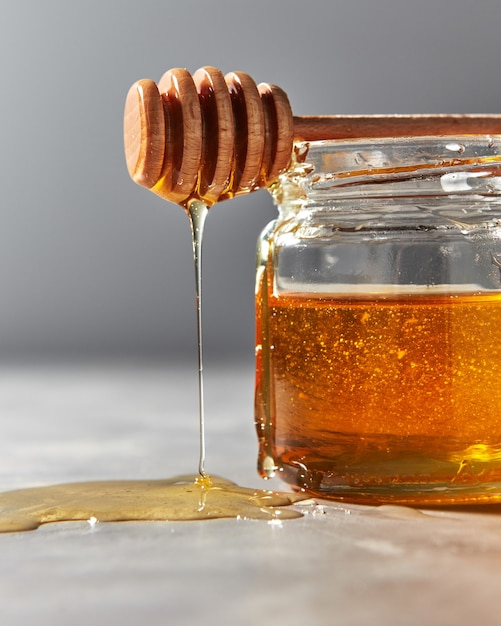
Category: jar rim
<point>382,167</point>
<point>346,157</point>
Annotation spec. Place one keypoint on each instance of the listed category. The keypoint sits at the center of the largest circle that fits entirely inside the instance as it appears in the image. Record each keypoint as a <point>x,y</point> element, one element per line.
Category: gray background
<point>90,264</point>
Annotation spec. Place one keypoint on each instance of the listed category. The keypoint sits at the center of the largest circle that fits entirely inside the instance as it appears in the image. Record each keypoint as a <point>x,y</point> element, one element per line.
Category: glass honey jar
<point>378,345</point>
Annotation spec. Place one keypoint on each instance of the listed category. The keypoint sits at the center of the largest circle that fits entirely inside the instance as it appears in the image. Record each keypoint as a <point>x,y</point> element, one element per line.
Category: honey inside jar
<point>386,395</point>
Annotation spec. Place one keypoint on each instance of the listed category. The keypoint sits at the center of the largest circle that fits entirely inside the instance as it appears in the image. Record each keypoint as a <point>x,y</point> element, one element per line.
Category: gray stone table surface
<point>339,564</point>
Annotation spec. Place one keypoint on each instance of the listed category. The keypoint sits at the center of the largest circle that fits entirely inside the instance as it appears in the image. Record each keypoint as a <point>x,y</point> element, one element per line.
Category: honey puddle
<point>182,498</point>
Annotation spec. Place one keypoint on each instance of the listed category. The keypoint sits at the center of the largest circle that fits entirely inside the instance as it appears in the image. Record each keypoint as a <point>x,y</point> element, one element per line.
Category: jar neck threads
<point>325,172</point>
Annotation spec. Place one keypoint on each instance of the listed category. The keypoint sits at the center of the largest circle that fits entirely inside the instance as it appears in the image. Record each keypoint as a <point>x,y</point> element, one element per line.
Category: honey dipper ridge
<point>211,137</point>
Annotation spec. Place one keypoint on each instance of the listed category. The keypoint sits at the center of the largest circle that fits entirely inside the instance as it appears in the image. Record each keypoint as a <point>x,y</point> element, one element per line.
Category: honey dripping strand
<point>197,213</point>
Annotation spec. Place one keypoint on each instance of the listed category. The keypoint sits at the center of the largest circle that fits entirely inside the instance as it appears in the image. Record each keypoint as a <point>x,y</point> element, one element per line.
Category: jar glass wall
<point>379,322</point>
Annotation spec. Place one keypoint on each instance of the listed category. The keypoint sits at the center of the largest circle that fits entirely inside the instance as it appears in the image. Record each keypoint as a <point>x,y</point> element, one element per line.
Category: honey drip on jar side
<point>383,399</point>
<point>196,497</point>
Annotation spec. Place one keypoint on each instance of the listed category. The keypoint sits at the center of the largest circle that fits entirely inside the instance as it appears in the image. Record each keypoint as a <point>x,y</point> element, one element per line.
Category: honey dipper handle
<point>329,127</point>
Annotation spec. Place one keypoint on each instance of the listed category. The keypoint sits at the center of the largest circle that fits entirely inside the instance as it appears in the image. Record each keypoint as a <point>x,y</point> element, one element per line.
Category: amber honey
<point>377,398</point>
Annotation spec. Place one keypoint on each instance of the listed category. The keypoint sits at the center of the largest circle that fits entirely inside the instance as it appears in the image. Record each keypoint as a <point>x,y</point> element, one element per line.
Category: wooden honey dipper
<point>211,137</point>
